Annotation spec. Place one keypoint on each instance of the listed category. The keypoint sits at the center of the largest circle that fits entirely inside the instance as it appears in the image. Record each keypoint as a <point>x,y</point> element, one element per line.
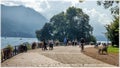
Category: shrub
<point>28,46</point>
<point>10,47</point>
<point>8,52</point>
<point>34,45</point>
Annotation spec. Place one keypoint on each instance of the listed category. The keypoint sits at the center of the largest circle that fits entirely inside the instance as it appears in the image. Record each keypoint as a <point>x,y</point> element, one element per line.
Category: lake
<point>13,41</point>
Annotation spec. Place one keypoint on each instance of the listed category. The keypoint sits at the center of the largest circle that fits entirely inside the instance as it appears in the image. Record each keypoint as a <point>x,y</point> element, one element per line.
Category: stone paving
<point>61,56</point>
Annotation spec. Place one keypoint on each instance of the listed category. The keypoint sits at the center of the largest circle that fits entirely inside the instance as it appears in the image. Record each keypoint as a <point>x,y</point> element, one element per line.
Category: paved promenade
<point>61,56</point>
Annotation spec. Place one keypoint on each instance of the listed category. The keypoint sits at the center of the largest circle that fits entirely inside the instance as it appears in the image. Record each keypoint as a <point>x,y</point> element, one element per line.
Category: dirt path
<point>111,58</point>
<point>65,56</point>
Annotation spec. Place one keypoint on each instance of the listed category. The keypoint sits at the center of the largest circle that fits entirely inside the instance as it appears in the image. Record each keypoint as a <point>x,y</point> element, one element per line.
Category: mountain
<point>20,21</point>
<point>100,38</point>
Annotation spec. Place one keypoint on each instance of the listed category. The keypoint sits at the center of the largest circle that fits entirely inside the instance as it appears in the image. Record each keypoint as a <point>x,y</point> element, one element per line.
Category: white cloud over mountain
<point>38,5</point>
<point>42,6</point>
<point>99,17</point>
<point>98,20</point>
<point>50,7</point>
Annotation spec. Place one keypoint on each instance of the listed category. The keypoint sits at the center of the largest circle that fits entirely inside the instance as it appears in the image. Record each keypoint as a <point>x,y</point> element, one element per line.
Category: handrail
<point>7,53</point>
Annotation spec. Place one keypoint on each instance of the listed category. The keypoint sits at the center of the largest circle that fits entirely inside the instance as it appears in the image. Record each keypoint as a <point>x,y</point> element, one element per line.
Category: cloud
<point>37,5</point>
<point>73,2</point>
<point>46,7</point>
<point>98,20</point>
<point>100,17</point>
<point>10,2</point>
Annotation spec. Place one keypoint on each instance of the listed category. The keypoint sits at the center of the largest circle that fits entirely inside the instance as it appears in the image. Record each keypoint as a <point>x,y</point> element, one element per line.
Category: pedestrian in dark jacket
<point>45,45</point>
<point>82,44</point>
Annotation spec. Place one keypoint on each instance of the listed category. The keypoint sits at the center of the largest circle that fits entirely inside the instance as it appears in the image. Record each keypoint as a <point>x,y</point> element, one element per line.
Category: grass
<point>112,49</point>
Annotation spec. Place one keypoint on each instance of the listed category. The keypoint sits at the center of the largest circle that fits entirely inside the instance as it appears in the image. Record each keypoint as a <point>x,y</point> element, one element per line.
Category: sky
<point>99,16</point>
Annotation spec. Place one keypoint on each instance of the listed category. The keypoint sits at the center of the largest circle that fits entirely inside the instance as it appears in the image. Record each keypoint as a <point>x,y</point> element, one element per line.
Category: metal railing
<point>7,53</point>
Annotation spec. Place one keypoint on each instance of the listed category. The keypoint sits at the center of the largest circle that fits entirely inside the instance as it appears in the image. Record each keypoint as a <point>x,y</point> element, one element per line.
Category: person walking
<point>51,45</point>
<point>82,41</point>
<point>45,45</point>
<point>65,41</point>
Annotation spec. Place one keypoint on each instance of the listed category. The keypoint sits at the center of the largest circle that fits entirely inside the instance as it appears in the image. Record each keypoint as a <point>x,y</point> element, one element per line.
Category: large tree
<point>72,24</point>
<point>78,24</point>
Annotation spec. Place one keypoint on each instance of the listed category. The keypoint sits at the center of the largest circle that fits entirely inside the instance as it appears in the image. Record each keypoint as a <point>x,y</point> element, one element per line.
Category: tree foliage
<point>113,31</point>
<point>72,24</point>
<point>45,32</point>
<point>113,5</point>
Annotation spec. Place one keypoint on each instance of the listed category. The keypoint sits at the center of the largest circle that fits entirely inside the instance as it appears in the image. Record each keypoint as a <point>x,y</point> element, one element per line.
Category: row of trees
<point>72,24</point>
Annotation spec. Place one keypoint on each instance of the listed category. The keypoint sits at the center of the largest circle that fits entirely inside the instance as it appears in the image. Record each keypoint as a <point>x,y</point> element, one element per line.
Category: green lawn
<point>113,49</point>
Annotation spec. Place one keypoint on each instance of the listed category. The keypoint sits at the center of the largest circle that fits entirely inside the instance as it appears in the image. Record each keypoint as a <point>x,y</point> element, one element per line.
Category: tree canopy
<point>113,31</point>
<point>72,24</point>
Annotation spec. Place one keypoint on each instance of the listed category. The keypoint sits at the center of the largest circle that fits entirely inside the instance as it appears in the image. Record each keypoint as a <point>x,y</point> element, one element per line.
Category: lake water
<point>15,41</point>
<point>103,41</point>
